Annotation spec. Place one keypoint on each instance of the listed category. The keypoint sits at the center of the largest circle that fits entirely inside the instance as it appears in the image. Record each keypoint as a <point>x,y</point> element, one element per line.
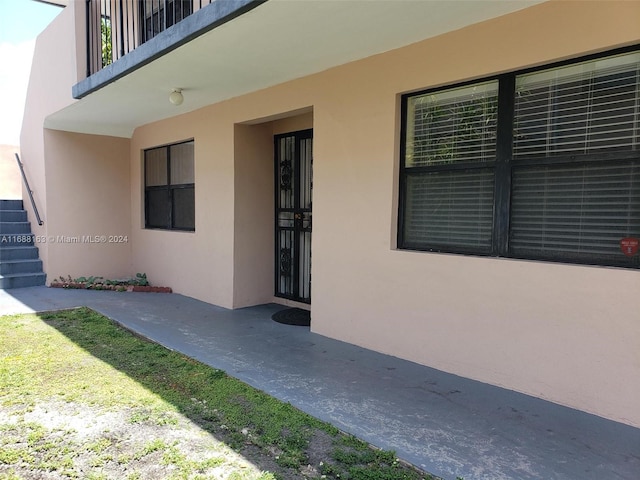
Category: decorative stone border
<point>148,288</point>
<point>114,288</point>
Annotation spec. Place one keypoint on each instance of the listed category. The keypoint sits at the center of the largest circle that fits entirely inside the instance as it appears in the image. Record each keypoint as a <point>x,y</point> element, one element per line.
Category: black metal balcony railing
<point>116,27</point>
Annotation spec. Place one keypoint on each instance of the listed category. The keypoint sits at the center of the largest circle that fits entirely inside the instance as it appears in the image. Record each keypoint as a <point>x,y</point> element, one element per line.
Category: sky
<point>21,21</point>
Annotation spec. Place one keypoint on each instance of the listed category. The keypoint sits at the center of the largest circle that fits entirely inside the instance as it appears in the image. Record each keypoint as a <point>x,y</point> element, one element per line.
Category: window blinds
<point>579,109</point>
<point>576,207</point>
<point>566,183</point>
<point>453,126</point>
<point>576,210</point>
<point>450,208</point>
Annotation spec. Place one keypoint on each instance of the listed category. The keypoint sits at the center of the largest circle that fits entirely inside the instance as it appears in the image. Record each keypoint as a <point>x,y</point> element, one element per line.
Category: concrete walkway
<point>447,425</point>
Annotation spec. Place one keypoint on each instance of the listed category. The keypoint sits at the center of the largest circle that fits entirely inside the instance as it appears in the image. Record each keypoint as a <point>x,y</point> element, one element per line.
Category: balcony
<point>123,35</point>
<point>116,27</point>
<point>224,49</point>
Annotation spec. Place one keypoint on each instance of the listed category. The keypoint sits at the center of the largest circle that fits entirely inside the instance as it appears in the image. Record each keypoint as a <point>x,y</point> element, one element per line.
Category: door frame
<point>298,227</point>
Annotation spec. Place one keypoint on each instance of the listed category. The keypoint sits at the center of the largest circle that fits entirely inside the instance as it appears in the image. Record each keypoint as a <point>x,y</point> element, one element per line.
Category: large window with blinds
<point>542,164</point>
<point>170,187</point>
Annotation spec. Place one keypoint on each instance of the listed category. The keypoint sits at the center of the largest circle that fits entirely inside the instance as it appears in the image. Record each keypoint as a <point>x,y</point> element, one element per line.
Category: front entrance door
<point>293,186</point>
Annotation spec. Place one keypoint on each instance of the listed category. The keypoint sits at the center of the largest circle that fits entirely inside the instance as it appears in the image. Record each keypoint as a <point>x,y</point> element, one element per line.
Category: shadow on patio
<point>442,423</point>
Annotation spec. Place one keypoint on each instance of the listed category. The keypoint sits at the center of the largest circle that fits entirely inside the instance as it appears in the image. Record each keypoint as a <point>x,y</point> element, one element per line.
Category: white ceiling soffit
<point>278,41</point>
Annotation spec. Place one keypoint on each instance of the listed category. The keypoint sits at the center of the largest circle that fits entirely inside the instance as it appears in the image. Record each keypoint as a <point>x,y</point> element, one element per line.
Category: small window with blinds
<point>170,187</point>
<point>538,165</point>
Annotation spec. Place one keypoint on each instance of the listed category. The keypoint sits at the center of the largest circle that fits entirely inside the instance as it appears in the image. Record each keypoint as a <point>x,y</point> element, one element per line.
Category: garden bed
<point>137,284</point>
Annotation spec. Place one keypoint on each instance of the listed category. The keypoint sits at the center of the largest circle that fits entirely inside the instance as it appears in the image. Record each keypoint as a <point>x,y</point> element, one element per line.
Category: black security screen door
<point>293,186</point>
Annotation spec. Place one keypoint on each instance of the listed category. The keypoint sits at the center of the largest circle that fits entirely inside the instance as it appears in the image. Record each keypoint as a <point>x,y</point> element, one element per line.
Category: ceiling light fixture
<point>175,97</point>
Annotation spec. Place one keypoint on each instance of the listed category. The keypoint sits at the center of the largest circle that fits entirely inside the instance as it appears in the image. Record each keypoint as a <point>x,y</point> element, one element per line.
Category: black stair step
<point>14,228</point>
<point>20,266</point>
<point>13,216</point>
<point>21,252</point>
<point>11,205</point>
<point>20,280</point>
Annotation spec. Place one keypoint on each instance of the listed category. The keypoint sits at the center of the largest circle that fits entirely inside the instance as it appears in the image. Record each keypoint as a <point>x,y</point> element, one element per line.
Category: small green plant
<point>100,283</point>
<point>141,279</point>
<point>106,41</point>
<point>11,475</point>
<point>96,476</point>
<point>153,446</point>
<point>89,280</point>
<point>99,446</point>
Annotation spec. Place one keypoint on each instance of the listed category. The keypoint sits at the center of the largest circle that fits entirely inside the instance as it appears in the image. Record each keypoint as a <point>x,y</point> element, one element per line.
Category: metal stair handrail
<point>26,184</point>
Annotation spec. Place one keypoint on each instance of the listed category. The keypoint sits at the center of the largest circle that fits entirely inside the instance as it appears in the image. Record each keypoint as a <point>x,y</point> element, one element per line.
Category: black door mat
<point>293,316</point>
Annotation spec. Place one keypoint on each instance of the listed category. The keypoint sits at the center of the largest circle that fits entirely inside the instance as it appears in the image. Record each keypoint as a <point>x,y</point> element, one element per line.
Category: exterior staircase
<point>20,265</point>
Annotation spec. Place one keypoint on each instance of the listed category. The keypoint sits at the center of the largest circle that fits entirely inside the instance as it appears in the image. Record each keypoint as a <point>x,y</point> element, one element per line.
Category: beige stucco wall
<point>560,332</point>
<point>253,232</point>
<point>10,179</point>
<point>80,182</point>
<point>88,209</point>
<point>228,259</point>
<point>565,333</point>
<point>53,71</point>
<point>200,263</point>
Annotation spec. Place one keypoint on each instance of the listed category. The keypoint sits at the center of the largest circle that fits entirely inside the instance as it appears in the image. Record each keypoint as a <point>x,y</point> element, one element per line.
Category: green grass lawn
<point>81,397</point>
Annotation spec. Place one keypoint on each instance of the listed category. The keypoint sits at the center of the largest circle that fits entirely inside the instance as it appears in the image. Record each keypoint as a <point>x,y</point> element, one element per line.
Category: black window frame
<point>504,166</point>
<point>170,190</point>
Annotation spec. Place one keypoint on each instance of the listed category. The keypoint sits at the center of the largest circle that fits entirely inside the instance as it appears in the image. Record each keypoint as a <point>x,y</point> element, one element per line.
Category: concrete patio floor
<point>447,425</point>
